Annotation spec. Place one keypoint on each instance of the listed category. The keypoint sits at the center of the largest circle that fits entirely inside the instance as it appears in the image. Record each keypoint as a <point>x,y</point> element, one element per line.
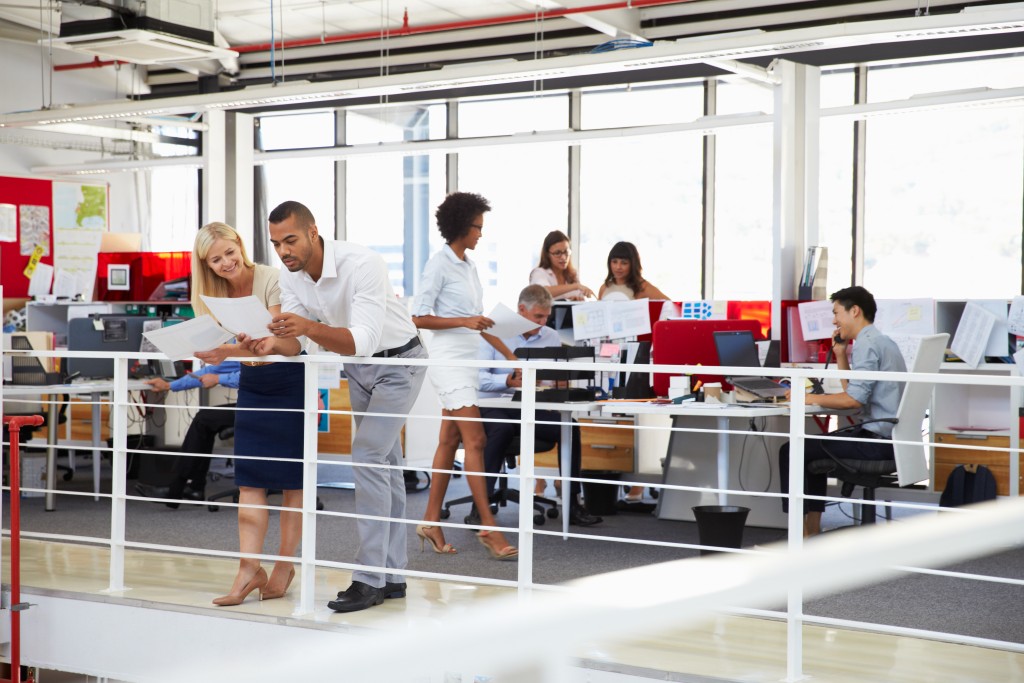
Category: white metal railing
<point>525,585</point>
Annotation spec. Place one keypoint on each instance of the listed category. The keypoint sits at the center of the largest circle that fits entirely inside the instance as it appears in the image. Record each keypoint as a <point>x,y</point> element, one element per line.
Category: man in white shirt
<point>338,295</point>
<point>534,303</point>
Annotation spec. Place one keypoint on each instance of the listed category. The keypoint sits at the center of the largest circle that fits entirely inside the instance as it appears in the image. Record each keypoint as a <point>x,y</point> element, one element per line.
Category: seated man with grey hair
<point>534,304</point>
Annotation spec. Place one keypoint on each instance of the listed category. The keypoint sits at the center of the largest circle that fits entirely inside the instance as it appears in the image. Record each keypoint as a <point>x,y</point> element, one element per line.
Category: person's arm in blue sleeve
<point>492,379</point>
<point>228,374</point>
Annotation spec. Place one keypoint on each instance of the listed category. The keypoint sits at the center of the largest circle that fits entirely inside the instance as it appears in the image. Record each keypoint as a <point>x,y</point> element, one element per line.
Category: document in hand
<point>180,341</point>
<point>244,315</point>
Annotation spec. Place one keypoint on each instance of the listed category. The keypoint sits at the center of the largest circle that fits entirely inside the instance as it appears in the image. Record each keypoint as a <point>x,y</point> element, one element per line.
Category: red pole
<point>14,425</point>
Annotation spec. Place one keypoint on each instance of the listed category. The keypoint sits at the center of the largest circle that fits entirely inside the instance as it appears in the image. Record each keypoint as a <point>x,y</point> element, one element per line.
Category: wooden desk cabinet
<point>338,440</point>
<point>998,461</point>
<point>602,447</point>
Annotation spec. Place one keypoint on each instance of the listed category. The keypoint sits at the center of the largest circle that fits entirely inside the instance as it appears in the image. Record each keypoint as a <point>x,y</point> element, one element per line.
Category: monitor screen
<point>736,348</point>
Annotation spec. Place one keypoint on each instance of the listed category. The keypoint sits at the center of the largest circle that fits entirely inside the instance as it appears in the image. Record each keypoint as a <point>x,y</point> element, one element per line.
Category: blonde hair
<point>204,280</point>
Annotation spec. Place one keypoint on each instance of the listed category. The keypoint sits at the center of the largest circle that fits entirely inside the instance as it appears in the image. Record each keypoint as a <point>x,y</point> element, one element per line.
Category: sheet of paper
<point>508,323</point>
<point>905,316</point>
<point>242,315</point>
<point>908,343</point>
<point>1015,322</point>
<point>816,319</point>
<point>972,334</point>
<point>999,337</point>
<point>328,375</point>
<point>65,284</point>
<point>590,320</point>
<point>39,285</point>
<point>629,319</point>
<point>180,341</point>
<point>8,223</point>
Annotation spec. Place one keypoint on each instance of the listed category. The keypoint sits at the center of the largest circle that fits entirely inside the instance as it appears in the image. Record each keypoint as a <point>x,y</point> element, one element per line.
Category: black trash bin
<point>720,525</point>
<point>599,499</point>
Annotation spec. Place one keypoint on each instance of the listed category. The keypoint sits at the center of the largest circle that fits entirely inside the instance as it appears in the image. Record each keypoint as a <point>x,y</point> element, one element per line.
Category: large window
<point>173,215</point>
<point>390,199</point>
<point>641,106</point>
<point>835,185</point>
<point>527,186</point>
<point>309,181</point>
<point>944,188</point>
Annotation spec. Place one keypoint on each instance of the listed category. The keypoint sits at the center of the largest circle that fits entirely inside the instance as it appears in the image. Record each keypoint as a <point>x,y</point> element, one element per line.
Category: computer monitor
<point>736,348</point>
<point>106,334</point>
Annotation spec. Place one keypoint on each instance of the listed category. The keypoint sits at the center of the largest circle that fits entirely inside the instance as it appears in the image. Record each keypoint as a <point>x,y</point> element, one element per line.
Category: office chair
<point>910,463</point>
<point>28,370</point>
<point>503,494</point>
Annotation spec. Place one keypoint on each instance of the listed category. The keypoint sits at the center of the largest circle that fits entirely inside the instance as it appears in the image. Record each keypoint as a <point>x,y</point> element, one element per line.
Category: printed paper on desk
<point>816,319</point>
<point>1016,319</point>
<point>180,341</point>
<point>508,323</point>
<point>613,319</point>
<point>244,315</point>
<point>972,334</point>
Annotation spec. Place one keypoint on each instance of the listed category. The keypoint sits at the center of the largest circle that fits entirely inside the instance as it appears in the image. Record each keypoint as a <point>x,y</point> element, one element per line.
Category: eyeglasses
<point>560,253</point>
<point>476,225</point>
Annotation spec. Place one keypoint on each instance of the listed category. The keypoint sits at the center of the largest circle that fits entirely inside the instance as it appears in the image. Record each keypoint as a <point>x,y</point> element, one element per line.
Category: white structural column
<point>340,177</point>
<point>239,177</point>
<point>575,123</point>
<point>214,166</point>
<point>795,179</point>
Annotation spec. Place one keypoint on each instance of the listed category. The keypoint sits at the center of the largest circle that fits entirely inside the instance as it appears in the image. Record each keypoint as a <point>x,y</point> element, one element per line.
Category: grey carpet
<point>942,604</point>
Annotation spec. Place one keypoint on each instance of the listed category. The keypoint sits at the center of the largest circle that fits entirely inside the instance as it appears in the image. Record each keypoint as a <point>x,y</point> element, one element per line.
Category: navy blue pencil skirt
<point>266,432</point>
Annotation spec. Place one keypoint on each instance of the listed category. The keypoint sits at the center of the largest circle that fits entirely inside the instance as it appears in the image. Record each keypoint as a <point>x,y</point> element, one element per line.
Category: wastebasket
<point>599,499</point>
<point>720,525</point>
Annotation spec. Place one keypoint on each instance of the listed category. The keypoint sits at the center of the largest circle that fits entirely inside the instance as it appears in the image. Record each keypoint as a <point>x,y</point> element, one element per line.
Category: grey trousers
<point>388,390</point>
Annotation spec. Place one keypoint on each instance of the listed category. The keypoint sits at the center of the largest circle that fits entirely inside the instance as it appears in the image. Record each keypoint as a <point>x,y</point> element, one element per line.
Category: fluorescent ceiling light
<point>959,99</point>
<point>103,166</point>
<point>138,46</point>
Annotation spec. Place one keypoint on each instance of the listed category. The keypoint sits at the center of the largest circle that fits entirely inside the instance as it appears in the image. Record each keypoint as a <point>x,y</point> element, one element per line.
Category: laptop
<point>737,348</point>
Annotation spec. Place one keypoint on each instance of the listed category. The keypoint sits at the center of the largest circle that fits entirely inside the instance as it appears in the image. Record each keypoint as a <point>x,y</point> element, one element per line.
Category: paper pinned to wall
<point>42,276</point>
<point>816,319</point>
<point>905,316</point>
<point>35,228</point>
<point>76,254</point>
<point>976,325</point>
<point>8,223</point>
<point>908,345</point>
<point>65,284</point>
<point>1015,321</point>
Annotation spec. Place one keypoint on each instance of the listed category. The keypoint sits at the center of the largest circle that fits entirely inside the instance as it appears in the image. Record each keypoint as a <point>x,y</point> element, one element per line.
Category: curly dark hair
<point>457,212</point>
<point>626,251</point>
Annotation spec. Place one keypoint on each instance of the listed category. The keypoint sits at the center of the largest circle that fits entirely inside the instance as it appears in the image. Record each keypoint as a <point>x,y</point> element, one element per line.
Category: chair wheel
<point>67,476</point>
<point>446,513</point>
<point>319,504</point>
<point>213,508</point>
<point>552,513</point>
<point>538,519</point>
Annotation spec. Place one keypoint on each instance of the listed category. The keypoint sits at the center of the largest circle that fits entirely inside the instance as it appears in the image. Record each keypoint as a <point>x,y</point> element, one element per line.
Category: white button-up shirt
<point>353,292</point>
<point>449,288</point>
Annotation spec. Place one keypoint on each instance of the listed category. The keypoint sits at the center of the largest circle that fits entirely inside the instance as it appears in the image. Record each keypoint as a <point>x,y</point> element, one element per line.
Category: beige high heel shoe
<point>507,553</point>
<point>268,595</point>
<point>258,581</point>
<point>446,549</point>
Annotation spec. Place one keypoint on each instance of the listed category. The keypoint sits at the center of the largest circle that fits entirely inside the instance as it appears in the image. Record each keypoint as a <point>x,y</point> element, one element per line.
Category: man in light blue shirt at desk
<point>534,304</point>
<point>853,312</point>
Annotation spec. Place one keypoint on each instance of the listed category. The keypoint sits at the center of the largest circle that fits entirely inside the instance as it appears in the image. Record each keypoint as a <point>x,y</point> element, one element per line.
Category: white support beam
<point>239,182</point>
<point>215,167</point>
<point>795,179</point>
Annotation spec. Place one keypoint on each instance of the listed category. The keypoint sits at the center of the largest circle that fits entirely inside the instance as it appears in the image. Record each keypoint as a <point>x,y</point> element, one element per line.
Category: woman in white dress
<point>450,303</point>
<point>556,272</point>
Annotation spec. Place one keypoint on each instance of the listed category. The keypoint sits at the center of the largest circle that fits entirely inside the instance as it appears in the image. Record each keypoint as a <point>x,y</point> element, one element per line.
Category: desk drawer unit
<point>607,447</point>
<point>996,460</point>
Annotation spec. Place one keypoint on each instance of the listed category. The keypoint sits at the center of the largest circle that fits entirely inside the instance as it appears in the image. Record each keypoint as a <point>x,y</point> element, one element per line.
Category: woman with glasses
<point>450,302</point>
<point>556,272</point>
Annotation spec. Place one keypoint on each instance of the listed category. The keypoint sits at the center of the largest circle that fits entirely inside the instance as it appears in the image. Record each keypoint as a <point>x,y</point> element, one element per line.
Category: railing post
<point>119,474</point>
<point>795,523</point>
<point>309,476</point>
<point>528,416</point>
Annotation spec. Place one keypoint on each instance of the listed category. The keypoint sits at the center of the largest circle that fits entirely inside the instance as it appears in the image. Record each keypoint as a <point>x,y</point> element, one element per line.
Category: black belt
<point>398,350</point>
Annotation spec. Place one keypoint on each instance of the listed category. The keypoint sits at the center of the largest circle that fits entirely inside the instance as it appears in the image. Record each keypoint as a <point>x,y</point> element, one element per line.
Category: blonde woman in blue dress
<point>450,303</point>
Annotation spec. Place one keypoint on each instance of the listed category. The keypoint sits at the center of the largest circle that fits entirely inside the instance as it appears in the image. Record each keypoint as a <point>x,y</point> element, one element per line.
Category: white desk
<point>95,390</point>
<point>566,411</point>
<point>705,459</point>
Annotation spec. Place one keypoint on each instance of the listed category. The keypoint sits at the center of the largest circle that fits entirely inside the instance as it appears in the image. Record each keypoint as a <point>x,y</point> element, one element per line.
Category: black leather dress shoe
<point>359,596</point>
<point>393,590</point>
<point>150,491</point>
<point>580,517</point>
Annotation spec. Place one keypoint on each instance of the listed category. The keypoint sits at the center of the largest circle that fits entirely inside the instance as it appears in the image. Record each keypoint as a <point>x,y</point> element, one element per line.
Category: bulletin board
<point>65,218</point>
<point>21,192</point>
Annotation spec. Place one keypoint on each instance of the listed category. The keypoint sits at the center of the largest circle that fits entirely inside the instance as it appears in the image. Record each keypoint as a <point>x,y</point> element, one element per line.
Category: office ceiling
<point>253,42</point>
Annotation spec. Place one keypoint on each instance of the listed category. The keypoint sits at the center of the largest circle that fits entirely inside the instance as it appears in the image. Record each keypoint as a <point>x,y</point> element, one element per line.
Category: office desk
<point>95,390</point>
<point>715,460</point>
<point>565,411</point>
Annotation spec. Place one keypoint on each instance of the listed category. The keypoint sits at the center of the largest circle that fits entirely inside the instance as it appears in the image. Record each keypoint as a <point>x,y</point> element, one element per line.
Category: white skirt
<point>455,384</point>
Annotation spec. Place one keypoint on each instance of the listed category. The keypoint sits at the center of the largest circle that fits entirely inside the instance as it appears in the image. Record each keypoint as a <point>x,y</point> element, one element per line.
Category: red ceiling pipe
<point>407,30</point>
<point>14,425</point>
<point>94,64</point>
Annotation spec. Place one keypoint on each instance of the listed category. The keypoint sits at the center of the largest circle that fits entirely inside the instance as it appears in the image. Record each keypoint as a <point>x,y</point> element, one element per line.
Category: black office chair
<point>503,493</point>
<point>910,462</point>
